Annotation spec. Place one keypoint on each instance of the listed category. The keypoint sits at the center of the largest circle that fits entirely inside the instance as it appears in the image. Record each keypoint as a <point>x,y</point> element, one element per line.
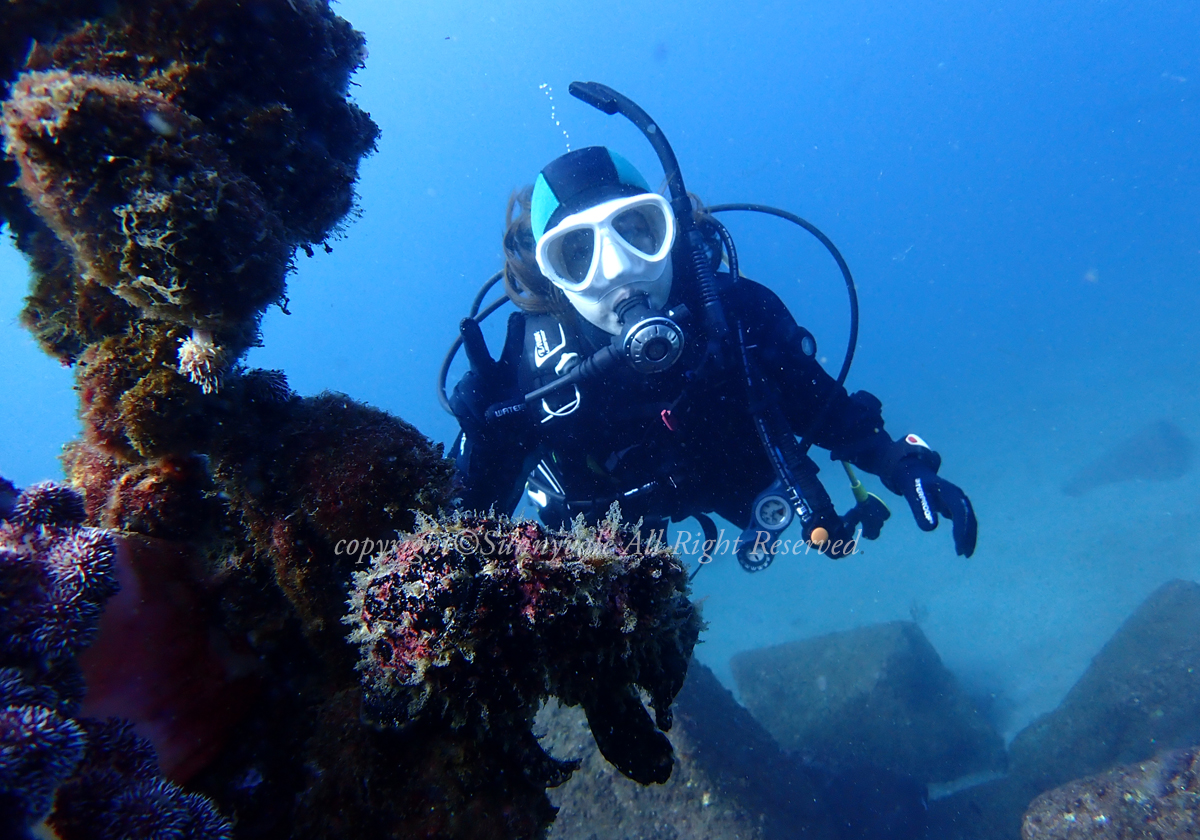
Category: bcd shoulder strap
<point>551,349</point>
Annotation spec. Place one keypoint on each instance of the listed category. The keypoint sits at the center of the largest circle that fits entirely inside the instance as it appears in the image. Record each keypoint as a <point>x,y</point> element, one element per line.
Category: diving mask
<point>604,254</point>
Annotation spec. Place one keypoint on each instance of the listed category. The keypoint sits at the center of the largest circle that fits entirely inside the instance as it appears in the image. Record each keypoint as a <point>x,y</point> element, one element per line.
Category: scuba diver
<point>642,368</point>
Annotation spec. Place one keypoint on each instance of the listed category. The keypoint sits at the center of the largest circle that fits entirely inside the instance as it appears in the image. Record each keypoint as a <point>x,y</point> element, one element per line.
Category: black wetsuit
<point>674,444</point>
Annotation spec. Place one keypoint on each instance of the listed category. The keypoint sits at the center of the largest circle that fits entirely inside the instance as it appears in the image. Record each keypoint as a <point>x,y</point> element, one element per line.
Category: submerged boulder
<point>598,803</point>
<point>731,781</point>
<point>1140,696</point>
<point>871,696</point>
<point>1156,800</point>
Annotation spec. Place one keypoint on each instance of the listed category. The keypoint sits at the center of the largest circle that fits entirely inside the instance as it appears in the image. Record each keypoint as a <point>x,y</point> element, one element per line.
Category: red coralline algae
<point>474,620</point>
<point>93,472</point>
<point>166,498</point>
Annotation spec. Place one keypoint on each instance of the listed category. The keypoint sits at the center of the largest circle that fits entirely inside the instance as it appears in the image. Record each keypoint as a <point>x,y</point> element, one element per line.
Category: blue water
<point>1014,185</point>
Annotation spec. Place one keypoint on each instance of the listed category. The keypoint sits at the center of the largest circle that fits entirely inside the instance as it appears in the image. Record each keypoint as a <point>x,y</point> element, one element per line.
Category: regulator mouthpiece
<point>651,341</point>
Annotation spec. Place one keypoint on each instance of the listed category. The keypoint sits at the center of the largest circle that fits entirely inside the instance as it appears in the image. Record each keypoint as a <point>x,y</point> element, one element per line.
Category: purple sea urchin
<point>55,577</point>
<point>38,750</point>
<point>48,503</point>
<point>116,793</point>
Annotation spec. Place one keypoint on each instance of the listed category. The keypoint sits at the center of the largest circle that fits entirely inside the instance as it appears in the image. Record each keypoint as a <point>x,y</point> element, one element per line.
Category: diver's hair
<point>524,282</point>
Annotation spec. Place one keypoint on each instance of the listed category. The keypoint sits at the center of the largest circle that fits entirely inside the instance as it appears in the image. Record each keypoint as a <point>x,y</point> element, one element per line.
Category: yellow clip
<point>860,492</point>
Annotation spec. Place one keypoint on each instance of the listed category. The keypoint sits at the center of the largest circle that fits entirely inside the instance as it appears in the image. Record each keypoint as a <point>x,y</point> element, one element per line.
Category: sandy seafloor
<point>1019,360</point>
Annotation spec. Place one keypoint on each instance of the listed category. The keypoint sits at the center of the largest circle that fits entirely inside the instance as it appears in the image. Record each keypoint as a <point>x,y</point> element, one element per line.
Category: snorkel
<point>605,99</point>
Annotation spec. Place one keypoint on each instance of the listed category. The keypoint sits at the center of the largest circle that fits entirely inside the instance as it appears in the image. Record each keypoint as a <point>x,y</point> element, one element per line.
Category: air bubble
<point>549,91</point>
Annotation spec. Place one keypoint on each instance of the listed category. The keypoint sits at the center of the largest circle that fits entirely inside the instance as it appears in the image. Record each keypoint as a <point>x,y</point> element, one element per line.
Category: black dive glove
<point>928,495</point>
<point>487,399</point>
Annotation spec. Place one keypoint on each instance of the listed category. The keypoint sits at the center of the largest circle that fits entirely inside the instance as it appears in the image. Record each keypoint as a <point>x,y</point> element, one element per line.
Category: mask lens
<point>642,228</point>
<point>575,254</point>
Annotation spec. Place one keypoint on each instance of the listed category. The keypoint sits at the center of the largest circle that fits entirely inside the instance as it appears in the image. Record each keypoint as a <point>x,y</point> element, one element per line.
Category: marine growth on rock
<point>171,158</point>
<point>476,619</point>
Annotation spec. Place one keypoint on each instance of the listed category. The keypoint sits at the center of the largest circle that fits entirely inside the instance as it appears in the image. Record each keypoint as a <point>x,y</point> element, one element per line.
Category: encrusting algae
<point>477,620</point>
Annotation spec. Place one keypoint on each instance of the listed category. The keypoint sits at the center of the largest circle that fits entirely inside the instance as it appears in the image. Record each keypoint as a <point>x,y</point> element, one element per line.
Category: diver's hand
<point>488,391</point>
<point>928,495</point>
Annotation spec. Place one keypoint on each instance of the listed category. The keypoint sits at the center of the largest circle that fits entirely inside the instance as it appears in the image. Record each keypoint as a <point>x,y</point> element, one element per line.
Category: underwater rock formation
<point>472,621</point>
<point>598,804</point>
<point>1139,696</point>
<point>180,152</point>
<point>876,695</point>
<point>731,782</point>
<point>145,201</point>
<point>426,781</point>
<point>285,482</point>
<point>134,403</point>
<point>55,576</point>
<point>166,160</point>
<point>1159,452</point>
<point>305,765</point>
<point>1158,799</point>
<point>303,475</point>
